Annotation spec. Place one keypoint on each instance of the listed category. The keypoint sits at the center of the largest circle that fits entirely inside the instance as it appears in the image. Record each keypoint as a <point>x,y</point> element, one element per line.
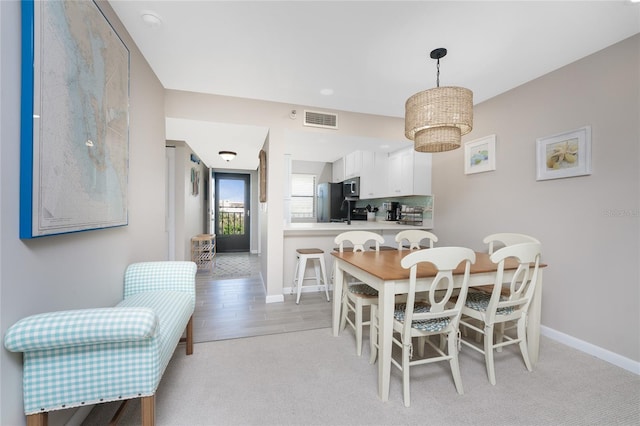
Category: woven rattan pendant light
<point>435,119</point>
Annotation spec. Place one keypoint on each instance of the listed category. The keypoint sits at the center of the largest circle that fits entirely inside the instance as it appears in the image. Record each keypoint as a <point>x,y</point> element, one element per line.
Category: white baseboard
<point>306,289</point>
<point>275,298</point>
<point>598,352</point>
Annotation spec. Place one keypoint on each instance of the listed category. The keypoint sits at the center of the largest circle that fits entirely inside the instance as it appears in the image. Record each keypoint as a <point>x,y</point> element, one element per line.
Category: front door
<point>232,212</point>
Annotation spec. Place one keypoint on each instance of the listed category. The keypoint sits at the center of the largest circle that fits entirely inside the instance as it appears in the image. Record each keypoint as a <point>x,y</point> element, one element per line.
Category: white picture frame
<point>480,155</point>
<point>566,154</point>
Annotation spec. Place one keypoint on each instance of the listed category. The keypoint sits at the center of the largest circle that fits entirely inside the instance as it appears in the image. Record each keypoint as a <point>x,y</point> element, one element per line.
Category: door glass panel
<point>231,207</point>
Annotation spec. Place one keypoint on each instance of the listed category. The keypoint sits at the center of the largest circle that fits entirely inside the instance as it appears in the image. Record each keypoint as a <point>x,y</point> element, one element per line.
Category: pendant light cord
<point>438,53</point>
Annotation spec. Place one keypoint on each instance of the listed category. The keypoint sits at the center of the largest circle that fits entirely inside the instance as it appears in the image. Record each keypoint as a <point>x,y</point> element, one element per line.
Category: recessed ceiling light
<point>326,92</point>
<point>151,19</point>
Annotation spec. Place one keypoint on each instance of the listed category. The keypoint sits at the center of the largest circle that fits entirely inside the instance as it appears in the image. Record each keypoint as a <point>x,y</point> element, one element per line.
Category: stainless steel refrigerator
<point>329,196</point>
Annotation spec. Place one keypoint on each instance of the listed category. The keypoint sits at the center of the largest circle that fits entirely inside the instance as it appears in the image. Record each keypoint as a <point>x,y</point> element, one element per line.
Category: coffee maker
<point>392,210</point>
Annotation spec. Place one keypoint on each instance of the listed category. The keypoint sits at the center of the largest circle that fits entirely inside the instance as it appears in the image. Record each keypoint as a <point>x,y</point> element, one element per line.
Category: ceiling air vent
<point>320,119</point>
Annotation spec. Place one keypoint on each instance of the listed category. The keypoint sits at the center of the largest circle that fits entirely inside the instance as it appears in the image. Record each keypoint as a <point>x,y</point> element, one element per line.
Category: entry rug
<point>234,265</point>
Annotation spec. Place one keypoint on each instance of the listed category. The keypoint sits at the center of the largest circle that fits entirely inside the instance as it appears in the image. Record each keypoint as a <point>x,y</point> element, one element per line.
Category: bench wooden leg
<point>40,419</point>
<point>148,410</point>
<point>190,336</point>
<point>119,412</point>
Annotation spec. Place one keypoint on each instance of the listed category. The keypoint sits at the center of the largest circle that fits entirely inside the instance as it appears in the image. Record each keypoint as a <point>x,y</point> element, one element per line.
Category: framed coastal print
<point>195,182</point>
<point>262,169</point>
<point>562,155</point>
<point>480,155</point>
<point>75,116</point>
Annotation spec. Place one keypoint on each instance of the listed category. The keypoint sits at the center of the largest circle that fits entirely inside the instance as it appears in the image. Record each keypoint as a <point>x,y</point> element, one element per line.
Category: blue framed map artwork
<point>74,150</point>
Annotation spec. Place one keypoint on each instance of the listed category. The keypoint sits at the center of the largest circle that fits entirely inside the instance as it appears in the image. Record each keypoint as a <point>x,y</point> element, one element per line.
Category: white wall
<point>2,204</point>
<point>320,169</point>
<point>75,270</point>
<point>193,206</point>
<point>591,286</point>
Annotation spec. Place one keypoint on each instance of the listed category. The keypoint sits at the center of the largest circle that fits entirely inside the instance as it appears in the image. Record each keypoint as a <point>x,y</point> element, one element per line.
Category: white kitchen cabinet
<point>353,164</point>
<point>348,166</point>
<point>337,170</point>
<point>373,177</point>
<point>409,173</point>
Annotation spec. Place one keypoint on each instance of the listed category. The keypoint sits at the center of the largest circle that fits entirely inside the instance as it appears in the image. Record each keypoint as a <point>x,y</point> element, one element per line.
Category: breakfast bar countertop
<point>338,227</point>
<point>322,236</point>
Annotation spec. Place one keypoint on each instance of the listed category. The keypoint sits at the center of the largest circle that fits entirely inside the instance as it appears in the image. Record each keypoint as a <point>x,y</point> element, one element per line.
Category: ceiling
<point>369,55</point>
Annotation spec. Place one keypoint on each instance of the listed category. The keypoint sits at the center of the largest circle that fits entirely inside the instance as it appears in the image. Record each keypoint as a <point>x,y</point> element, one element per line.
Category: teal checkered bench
<point>91,356</point>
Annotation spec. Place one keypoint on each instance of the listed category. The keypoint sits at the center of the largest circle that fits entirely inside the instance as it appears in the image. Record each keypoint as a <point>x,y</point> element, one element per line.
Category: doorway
<point>232,209</point>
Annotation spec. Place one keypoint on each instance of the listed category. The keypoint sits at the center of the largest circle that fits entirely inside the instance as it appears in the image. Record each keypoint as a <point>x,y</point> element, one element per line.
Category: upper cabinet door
<point>409,173</point>
<point>373,177</point>
<point>400,173</point>
<point>353,164</point>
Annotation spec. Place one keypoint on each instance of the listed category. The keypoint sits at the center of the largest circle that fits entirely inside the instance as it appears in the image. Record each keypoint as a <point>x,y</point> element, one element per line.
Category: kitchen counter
<point>337,227</point>
<point>322,236</point>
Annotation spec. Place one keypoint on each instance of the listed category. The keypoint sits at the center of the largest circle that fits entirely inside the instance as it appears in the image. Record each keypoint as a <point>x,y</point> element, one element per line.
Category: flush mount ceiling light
<point>227,155</point>
<point>435,119</point>
<point>151,19</point>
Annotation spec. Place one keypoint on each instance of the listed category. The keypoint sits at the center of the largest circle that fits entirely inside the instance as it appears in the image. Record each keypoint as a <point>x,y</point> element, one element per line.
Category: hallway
<point>230,303</point>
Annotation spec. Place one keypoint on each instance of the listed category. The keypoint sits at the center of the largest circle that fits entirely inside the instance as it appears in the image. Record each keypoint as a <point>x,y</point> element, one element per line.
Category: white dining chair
<point>357,295</point>
<point>483,311</point>
<point>415,237</point>
<point>504,239</point>
<point>433,316</point>
<point>507,239</point>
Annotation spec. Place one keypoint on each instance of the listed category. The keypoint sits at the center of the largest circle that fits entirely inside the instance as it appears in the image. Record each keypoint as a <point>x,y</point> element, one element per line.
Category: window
<point>303,190</point>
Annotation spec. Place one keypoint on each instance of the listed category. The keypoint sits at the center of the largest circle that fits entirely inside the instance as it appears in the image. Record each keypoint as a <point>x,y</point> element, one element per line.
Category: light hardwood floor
<point>229,307</point>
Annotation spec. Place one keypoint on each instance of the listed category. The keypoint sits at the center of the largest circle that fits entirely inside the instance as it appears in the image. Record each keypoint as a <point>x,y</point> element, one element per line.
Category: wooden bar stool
<point>317,257</point>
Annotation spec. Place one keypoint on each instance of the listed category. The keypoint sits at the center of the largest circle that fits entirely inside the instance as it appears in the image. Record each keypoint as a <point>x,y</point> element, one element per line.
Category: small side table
<point>203,250</point>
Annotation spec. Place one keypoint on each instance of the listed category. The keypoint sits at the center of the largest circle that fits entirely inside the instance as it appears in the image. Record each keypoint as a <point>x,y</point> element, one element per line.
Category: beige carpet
<point>313,378</point>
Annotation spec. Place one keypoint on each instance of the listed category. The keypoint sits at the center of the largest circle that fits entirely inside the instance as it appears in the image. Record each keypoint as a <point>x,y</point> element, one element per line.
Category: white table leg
<point>338,280</point>
<point>386,300</point>
<point>533,324</point>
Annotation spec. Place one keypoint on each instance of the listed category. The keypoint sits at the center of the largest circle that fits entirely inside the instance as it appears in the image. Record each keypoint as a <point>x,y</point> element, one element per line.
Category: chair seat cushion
<point>309,251</point>
<point>363,289</point>
<point>435,324</point>
<point>478,301</point>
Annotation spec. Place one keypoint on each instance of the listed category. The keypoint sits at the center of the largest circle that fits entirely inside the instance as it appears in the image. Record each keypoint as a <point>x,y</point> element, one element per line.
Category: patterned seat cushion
<point>479,301</point>
<point>435,324</point>
<point>363,289</point>
<point>173,308</point>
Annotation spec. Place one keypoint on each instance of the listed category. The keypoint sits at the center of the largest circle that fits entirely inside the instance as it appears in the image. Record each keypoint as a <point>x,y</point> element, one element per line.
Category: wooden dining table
<point>382,271</point>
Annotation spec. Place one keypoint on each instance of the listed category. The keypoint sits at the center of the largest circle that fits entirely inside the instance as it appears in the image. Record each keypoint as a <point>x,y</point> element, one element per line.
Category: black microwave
<point>351,188</point>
